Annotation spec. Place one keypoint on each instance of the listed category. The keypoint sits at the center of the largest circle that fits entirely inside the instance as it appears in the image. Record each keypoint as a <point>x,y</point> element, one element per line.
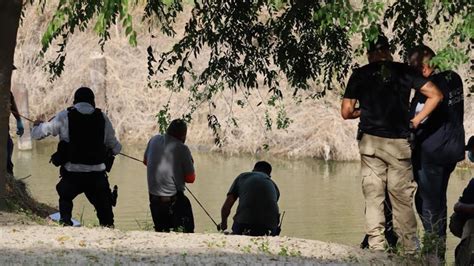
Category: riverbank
<point>26,237</point>
<point>24,244</point>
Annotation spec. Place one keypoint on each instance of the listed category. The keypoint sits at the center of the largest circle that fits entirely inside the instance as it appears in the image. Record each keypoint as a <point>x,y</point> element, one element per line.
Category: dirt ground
<point>26,243</point>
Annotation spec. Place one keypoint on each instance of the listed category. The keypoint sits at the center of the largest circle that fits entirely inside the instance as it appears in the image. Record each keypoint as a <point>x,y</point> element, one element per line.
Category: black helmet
<point>84,94</point>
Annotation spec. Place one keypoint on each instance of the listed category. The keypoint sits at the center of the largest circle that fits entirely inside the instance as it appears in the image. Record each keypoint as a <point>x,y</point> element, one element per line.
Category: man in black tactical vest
<point>86,138</point>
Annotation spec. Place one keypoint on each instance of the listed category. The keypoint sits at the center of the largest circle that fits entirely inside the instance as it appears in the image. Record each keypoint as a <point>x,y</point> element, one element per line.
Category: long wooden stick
<point>131,157</point>
<point>202,207</point>
<point>22,116</point>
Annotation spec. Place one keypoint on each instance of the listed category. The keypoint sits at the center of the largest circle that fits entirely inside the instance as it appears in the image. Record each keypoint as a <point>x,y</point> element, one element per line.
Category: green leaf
<point>133,39</point>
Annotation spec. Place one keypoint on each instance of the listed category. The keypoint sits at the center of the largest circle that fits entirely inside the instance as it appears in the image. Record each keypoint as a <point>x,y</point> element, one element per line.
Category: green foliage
<point>164,118</point>
<point>283,121</point>
<point>433,245</point>
<point>215,126</point>
<point>449,58</point>
<point>262,245</point>
<point>289,252</point>
<point>262,42</point>
<point>304,40</point>
<point>414,20</point>
<point>72,15</point>
<point>268,121</point>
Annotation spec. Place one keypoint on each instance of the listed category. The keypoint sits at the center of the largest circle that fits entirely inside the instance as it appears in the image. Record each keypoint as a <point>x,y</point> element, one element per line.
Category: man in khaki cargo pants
<point>382,89</point>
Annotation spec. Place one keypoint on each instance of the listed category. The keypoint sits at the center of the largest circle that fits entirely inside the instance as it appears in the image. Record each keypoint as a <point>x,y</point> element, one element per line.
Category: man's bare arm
<point>348,110</point>
<point>225,211</point>
<point>433,97</point>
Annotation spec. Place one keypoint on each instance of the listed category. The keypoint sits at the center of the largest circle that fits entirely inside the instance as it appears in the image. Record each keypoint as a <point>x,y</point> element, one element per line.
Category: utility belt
<point>168,199</point>
<point>410,138</point>
<point>82,175</point>
<point>61,156</point>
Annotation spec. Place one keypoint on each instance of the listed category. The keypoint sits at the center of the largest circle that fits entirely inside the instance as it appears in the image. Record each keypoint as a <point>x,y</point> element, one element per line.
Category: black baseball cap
<point>381,43</point>
<point>470,143</point>
<point>84,94</point>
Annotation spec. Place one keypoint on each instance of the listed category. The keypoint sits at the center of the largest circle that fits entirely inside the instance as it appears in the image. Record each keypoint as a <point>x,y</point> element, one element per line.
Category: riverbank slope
<point>26,237</point>
<point>24,244</point>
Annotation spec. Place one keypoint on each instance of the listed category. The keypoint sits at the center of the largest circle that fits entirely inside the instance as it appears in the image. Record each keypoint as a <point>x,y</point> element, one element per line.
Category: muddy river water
<point>322,200</point>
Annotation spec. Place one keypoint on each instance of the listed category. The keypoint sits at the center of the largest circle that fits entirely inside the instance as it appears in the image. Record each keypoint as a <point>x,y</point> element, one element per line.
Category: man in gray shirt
<point>169,166</point>
<point>257,213</point>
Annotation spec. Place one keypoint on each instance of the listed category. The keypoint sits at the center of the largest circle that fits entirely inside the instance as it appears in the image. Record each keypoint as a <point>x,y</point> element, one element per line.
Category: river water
<point>322,200</point>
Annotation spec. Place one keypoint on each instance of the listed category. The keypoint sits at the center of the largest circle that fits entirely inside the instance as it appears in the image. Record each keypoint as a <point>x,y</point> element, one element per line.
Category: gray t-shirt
<point>258,199</point>
<point>168,162</point>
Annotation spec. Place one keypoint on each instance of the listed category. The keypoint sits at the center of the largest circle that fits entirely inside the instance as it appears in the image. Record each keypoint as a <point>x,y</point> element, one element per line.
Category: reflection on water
<point>322,200</point>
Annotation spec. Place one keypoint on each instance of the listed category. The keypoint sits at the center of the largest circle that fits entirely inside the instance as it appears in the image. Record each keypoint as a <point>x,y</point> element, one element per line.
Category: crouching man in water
<point>257,213</point>
<point>169,166</point>
<point>85,135</point>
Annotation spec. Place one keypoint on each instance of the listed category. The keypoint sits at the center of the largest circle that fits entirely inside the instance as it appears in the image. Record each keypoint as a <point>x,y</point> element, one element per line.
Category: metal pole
<point>201,206</point>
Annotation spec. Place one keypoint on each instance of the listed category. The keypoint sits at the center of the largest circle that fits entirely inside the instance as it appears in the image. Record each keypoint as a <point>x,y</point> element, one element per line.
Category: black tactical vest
<point>86,137</point>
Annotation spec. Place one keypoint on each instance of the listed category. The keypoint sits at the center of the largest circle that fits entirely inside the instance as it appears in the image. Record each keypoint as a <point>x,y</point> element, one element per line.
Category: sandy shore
<point>42,244</point>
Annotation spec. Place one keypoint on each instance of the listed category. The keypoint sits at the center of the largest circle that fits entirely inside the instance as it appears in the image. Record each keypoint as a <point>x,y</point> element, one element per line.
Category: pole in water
<point>204,209</point>
<point>281,221</point>
<point>23,178</point>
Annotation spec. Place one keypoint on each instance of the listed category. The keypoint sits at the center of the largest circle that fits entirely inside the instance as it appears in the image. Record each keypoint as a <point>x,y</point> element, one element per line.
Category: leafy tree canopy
<point>300,40</point>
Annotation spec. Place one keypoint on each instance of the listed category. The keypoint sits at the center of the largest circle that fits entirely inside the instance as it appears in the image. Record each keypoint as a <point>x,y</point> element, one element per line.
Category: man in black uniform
<point>439,146</point>
<point>86,135</point>
<point>382,89</point>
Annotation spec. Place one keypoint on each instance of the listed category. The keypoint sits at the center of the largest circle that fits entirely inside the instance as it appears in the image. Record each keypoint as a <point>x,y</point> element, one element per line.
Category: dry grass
<point>317,129</point>
<point>20,200</point>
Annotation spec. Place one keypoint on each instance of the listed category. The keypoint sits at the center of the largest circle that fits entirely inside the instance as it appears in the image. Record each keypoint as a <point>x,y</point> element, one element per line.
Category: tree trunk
<point>10,12</point>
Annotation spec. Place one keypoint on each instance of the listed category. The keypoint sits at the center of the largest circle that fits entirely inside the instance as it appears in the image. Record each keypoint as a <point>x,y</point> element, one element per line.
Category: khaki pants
<point>386,165</point>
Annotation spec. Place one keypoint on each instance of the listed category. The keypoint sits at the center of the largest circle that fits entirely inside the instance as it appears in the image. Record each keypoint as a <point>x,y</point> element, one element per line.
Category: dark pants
<point>389,233</point>
<point>430,200</point>
<point>463,227</point>
<point>9,155</point>
<point>97,190</point>
<point>172,213</point>
<point>253,230</point>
